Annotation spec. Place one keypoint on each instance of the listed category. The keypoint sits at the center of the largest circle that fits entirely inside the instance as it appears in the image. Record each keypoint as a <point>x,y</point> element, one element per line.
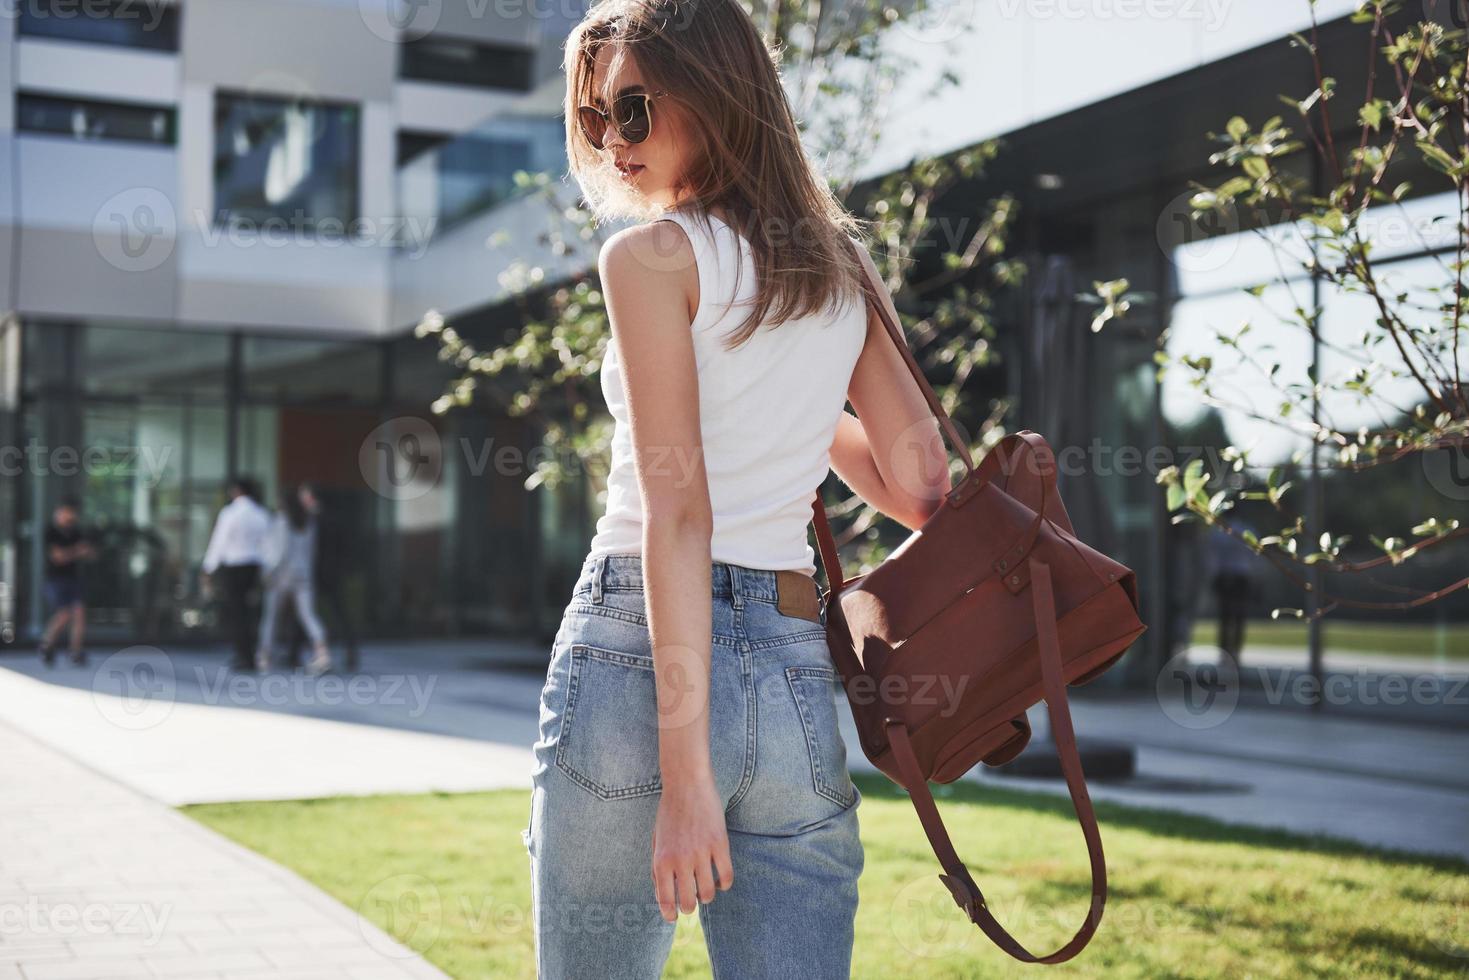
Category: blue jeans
<point>779,763</point>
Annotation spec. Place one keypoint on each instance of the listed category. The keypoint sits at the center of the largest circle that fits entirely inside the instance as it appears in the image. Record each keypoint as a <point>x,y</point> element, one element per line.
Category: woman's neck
<point>719,212</point>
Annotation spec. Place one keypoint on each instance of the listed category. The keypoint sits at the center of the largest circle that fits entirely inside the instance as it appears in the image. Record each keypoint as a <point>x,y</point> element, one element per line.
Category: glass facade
<point>12,469</point>
<point>1093,394</point>
<point>150,26</point>
<point>463,61</point>
<point>1384,500</point>
<point>443,185</point>
<point>277,160</point>
<point>146,426</point>
<point>88,119</point>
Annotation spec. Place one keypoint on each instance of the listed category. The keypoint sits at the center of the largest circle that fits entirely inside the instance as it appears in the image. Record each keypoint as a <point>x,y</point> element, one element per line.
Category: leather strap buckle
<point>966,893</point>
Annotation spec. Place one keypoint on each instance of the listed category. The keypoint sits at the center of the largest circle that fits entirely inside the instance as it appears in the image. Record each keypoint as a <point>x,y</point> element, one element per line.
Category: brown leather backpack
<point>992,605</point>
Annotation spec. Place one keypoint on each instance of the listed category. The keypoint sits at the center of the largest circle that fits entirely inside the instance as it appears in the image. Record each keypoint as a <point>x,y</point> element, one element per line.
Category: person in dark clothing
<point>333,554</point>
<point>66,548</point>
<point>1233,564</point>
<point>235,552</point>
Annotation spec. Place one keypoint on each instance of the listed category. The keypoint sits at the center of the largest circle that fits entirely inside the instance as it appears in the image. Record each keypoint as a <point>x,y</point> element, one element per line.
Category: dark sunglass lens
<point>593,125</point>
<point>631,113</point>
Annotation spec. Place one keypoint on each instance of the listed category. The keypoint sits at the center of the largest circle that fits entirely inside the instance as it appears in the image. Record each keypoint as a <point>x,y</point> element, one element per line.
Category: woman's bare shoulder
<point>653,257</point>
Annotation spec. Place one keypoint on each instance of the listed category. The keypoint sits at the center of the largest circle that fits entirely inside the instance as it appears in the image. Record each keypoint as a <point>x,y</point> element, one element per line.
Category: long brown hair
<point>747,157</point>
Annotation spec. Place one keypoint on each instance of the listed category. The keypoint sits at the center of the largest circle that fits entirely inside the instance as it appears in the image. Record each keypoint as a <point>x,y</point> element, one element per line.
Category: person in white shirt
<point>234,556</point>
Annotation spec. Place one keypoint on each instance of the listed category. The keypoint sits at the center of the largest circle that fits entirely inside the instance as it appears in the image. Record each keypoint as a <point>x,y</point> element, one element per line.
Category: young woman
<point>689,752</point>
<point>289,576</point>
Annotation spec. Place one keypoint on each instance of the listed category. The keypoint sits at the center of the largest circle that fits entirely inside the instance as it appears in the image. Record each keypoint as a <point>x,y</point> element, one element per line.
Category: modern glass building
<point>217,266</point>
<point>1103,192</point>
<point>205,216</point>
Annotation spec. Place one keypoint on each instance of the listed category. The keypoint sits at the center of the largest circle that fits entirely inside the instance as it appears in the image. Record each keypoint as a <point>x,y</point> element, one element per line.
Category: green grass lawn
<point>1414,640</point>
<point>1190,897</point>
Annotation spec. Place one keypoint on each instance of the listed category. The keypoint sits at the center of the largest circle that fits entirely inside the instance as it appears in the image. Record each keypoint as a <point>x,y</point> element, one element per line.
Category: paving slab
<point>97,880</point>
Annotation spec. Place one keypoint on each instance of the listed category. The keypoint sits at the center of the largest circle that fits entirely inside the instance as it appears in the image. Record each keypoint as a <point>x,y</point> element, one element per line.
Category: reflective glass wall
<point>144,426</point>
<point>1234,278</point>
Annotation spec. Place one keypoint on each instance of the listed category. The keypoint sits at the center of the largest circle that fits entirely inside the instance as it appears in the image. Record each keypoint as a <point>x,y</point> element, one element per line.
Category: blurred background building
<point>223,219</point>
<point>208,209</point>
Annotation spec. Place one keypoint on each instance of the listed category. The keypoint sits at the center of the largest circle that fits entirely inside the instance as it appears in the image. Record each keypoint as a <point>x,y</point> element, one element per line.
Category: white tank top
<point>768,412</point>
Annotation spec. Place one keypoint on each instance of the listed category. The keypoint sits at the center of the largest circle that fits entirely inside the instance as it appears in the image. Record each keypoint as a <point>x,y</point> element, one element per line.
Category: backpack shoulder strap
<point>956,877</point>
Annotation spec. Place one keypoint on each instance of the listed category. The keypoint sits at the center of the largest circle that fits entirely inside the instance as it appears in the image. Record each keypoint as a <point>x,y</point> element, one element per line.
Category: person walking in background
<point>234,554</point>
<point>334,548</point>
<point>67,547</point>
<point>290,560</point>
<point>1232,568</point>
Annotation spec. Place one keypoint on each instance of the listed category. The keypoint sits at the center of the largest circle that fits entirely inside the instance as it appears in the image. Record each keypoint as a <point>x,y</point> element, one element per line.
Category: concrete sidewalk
<point>1402,787</point>
<point>181,729</point>
<point>463,715</point>
<point>98,881</point>
<point>1352,661</point>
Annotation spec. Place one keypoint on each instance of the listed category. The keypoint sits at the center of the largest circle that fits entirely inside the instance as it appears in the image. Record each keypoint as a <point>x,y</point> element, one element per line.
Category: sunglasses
<point>631,114</point>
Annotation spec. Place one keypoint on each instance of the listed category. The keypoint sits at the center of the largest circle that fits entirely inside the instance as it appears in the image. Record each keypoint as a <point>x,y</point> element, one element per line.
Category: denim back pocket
<point>609,733</point>
<point>814,689</point>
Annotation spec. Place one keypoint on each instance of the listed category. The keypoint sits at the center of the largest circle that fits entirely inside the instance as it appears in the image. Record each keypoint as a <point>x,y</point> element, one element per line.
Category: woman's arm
<point>647,307</point>
<point>891,453</point>
<point>648,274</point>
<point>851,458</point>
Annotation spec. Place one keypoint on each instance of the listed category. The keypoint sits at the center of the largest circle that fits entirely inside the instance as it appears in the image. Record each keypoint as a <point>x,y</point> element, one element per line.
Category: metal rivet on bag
<point>1014,579</point>
<point>1002,564</point>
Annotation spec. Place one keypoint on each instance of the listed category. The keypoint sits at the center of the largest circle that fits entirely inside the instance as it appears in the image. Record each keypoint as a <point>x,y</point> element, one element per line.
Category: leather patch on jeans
<point>796,595</point>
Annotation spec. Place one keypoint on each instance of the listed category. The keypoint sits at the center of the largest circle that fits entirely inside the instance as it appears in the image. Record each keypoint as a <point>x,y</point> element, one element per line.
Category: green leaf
<point>1176,496</point>
<point>1437,158</point>
<point>1371,114</point>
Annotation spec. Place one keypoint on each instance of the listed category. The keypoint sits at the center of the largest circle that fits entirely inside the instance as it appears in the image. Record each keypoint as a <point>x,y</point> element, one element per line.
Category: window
<point>476,172</point>
<point>411,143</point>
<point>84,119</point>
<point>279,159</point>
<point>470,173</point>
<point>131,23</point>
<point>462,62</point>
<point>130,362</point>
<point>287,369</point>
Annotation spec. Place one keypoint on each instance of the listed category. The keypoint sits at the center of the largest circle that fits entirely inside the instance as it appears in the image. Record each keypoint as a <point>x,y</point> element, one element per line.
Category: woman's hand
<point>688,837</point>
